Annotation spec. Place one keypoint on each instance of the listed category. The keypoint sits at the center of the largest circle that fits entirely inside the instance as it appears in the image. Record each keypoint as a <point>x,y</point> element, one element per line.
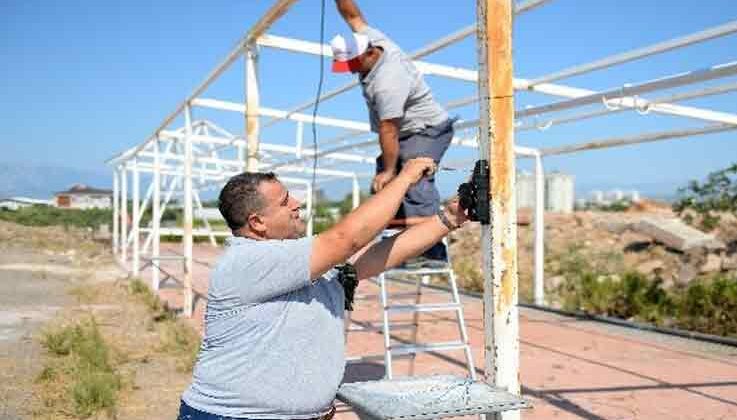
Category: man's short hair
<point>240,197</point>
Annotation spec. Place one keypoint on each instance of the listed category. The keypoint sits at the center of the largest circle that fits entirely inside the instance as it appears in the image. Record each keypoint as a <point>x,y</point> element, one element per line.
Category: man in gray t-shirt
<point>401,109</point>
<point>273,346</point>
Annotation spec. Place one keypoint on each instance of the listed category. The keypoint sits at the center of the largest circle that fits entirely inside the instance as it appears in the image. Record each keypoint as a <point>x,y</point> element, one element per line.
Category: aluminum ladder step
<point>375,358</point>
<point>376,328</point>
<point>423,307</point>
<point>424,348</point>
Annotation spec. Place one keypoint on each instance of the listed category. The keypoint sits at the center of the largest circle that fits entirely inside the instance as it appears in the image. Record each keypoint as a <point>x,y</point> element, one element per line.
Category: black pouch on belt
<point>349,279</point>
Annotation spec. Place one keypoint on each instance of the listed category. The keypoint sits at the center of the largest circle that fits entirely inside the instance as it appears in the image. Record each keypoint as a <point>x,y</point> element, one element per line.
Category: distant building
<point>81,196</point>
<point>616,195</point>
<point>559,192</point>
<point>597,197</point>
<point>525,190</point>
<point>15,203</point>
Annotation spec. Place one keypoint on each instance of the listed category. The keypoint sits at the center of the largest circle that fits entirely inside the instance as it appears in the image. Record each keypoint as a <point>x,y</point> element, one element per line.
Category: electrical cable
<point>315,108</point>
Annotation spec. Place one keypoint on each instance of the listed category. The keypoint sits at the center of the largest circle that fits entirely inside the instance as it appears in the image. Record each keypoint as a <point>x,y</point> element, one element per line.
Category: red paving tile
<point>570,368</point>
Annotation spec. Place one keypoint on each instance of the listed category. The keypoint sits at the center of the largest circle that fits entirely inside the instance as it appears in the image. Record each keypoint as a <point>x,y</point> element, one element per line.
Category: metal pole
<point>116,209</point>
<point>187,240</point>
<point>641,138</point>
<point>156,219</point>
<point>622,96</point>
<point>356,192</point>
<point>310,213</point>
<point>252,108</point>
<point>539,231</point>
<point>300,138</point>
<point>496,90</point>
<point>203,217</point>
<point>124,215</point>
<point>173,184</point>
<point>136,219</point>
<point>661,47</point>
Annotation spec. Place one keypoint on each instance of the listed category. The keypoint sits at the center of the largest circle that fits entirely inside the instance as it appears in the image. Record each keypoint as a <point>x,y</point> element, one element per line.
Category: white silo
<point>559,195</point>
<point>525,190</point>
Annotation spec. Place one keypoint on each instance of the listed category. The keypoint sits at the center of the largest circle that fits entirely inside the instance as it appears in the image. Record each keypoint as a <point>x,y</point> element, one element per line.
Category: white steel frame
<point>200,155</point>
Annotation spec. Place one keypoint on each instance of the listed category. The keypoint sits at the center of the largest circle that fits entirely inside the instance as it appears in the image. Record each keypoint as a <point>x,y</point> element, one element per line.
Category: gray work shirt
<point>395,89</point>
<point>274,344</point>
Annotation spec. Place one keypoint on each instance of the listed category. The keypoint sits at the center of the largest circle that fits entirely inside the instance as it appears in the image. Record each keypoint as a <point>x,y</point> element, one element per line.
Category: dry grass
<point>79,377</point>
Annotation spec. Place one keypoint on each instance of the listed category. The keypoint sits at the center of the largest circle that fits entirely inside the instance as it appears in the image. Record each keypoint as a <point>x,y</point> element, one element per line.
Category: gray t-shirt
<point>395,89</point>
<point>274,344</point>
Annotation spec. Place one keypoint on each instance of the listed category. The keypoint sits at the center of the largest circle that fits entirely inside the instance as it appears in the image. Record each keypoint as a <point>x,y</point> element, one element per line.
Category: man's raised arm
<point>392,251</point>
<point>351,14</point>
<point>362,225</point>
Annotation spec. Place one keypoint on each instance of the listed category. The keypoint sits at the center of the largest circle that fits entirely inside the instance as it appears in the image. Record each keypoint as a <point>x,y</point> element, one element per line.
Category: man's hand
<point>381,179</point>
<point>456,214</point>
<point>351,14</point>
<point>414,169</point>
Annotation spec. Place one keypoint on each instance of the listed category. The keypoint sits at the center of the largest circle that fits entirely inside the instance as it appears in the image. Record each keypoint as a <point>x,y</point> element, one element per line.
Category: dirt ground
<point>50,277</point>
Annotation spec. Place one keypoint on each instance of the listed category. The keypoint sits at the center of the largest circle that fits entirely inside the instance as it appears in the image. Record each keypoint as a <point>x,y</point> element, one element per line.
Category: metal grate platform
<point>428,397</point>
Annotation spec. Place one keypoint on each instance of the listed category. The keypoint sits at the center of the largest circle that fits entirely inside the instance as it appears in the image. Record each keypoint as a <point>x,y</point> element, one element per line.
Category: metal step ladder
<point>394,349</point>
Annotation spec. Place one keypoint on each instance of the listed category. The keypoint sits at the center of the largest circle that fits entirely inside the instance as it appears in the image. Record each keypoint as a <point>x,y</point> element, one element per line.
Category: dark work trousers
<point>186,412</point>
<point>423,199</point>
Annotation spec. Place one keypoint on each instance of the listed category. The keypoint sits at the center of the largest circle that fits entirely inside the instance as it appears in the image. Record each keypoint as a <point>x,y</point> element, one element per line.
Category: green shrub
<point>709,305</point>
<point>51,216</point>
<point>717,194</point>
<point>144,294</point>
<point>95,391</point>
<point>590,286</point>
<point>82,359</point>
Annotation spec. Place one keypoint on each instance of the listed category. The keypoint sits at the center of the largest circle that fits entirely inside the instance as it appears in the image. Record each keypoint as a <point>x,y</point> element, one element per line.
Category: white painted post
<point>206,222</point>
<point>187,239</point>
<point>300,139</point>
<point>136,219</point>
<point>496,91</point>
<point>116,209</point>
<point>356,192</point>
<point>310,215</point>
<point>124,214</point>
<point>252,107</point>
<point>539,231</point>
<point>156,219</point>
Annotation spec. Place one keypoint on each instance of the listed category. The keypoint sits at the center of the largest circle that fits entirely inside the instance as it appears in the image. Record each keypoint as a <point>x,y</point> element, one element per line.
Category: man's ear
<point>256,224</point>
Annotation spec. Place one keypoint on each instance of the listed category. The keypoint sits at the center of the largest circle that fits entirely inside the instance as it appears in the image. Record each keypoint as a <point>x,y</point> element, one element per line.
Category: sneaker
<point>437,252</point>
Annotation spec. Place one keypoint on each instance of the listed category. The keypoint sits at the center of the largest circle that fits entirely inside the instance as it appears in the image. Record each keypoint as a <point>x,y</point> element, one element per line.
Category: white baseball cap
<point>346,50</point>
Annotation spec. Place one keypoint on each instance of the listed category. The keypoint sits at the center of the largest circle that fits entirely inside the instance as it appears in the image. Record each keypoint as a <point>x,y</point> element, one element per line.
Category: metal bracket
<point>474,195</point>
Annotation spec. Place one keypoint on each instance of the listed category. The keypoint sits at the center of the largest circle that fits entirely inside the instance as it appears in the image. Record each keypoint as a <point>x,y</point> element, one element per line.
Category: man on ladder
<point>410,123</point>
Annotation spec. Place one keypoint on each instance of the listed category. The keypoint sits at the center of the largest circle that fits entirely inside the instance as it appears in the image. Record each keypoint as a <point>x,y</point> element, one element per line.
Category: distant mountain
<point>42,181</point>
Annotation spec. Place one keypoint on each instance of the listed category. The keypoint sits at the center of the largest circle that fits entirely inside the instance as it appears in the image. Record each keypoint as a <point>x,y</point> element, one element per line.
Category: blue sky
<point>83,80</point>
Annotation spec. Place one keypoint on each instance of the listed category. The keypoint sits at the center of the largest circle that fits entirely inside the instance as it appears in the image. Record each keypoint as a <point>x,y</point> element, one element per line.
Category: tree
<point>718,194</point>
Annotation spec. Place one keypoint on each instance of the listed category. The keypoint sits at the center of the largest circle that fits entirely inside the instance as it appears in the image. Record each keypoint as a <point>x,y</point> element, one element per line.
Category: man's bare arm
<point>351,14</point>
<point>391,252</point>
<point>389,141</point>
<point>363,224</point>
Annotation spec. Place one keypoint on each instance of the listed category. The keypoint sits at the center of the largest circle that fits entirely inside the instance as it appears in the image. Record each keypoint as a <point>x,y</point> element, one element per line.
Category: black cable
<point>317,105</point>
